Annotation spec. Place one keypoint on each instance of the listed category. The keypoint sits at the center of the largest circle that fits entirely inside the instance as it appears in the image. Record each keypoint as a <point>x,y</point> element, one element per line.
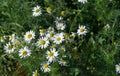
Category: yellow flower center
<point>71,36</point>
<point>16,43</point>
<point>53,46</point>
<point>62,13</point>
<point>37,10</point>
<point>48,9</point>
<point>76,56</point>
<point>58,38</point>
<point>59,27</point>
<point>63,61</point>
<point>51,54</point>
<point>24,53</point>
<point>42,42</point>
<point>42,31</point>
<point>45,65</point>
<point>29,36</point>
<point>82,30</point>
<point>51,34</point>
<point>1,37</point>
<point>10,47</point>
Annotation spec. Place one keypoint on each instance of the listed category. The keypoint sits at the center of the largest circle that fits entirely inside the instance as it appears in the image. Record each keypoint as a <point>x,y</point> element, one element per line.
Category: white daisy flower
<point>9,48</point>
<point>58,38</point>
<point>29,36</point>
<point>71,37</point>
<point>45,67</point>
<point>43,42</point>
<point>52,55</point>
<point>82,30</point>
<point>12,37</point>
<point>62,48</point>
<point>35,73</point>
<point>50,35</point>
<point>107,26</point>
<point>62,62</point>
<point>42,32</point>
<point>117,68</point>
<point>37,11</point>
<point>60,26</point>
<point>16,42</point>
<point>82,1</point>
<point>50,29</point>
<point>24,52</point>
<point>58,19</point>
<point>2,38</point>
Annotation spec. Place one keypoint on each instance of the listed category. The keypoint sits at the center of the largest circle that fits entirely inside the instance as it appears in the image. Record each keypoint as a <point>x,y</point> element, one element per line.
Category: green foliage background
<point>98,51</point>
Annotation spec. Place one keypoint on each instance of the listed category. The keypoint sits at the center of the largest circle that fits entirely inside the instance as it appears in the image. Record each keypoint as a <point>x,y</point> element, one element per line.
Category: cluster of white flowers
<point>82,1</point>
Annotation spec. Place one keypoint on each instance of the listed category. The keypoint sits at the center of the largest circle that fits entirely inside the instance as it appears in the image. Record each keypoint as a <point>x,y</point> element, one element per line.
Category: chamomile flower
<point>43,42</point>
<point>29,36</point>
<point>82,1</point>
<point>12,37</point>
<point>50,29</point>
<point>45,67</point>
<point>82,30</point>
<point>60,26</point>
<point>58,19</point>
<point>16,42</point>
<point>42,32</point>
<point>35,73</point>
<point>50,35</point>
<point>2,38</point>
<point>37,11</point>
<point>62,62</point>
<point>107,26</point>
<point>24,52</point>
<point>71,37</point>
<point>58,38</point>
<point>52,55</point>
<point>117,68</point>
<point>9,48</point>
<point>62,48</point>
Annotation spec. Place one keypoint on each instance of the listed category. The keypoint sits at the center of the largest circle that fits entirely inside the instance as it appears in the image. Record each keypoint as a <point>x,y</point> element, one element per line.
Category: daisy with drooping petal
<point>42,32</point>
<point>58,19</point>
<point>35,73</point>
<point>9,48</point>
<point>16,42</point>
<point>58,38</point>
<point>50,35</point>
<point>29,36</point>
<point>45,67</point>
<point>12,37</point>
<point>117,68</point>
<point>82,30</point>
<point>71,37</point>
<point>60,26</point>
<point>50,29</point>
<point>82,1</point>
<point>62,62</point>
<point>37,11</point>
<point>43,42</point>
<point>2,38</point>
<point>107,26</point>
<point>24,52</point>
<point>52,55</point>
<point>62,48</point>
